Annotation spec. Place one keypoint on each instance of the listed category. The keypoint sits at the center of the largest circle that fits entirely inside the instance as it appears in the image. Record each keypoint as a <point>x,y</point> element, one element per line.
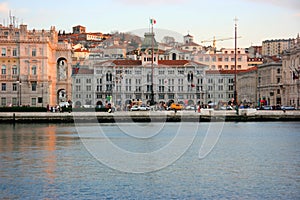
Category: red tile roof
<point>127,62</point>
<point>83,71</point>
<point>230,71</point>
<point>173,62</point>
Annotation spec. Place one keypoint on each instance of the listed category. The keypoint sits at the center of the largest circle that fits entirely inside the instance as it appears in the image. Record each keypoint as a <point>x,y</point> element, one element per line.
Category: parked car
<point>190,107</point>
<point>144,107</point>
<point>175,106</point>
<point>288,108</point>
<point>135,108</point>
<point>226,108</point>
<point>266,108</point>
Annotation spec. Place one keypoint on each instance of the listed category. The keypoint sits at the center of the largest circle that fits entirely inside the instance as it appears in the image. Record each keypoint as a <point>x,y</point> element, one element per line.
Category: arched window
<point>108,76</point>
<point>174,56</point>
<point>3,69</point>
<point>190,77</point>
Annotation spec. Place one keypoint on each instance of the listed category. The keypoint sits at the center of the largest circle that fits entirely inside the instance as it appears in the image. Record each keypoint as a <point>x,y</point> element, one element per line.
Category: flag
<point>192,85</point>
<point>152,21</point>
<point>295,76</point>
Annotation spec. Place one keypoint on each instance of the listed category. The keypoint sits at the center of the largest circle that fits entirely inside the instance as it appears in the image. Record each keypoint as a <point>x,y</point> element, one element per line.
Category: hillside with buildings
<point>47,67</point>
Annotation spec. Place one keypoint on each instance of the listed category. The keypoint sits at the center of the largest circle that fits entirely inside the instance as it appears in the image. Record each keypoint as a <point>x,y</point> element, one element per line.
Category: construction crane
<point>220,39</point>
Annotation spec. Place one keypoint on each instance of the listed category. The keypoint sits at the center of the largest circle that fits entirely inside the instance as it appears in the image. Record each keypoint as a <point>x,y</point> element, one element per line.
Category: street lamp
<point>19,92</point>
<point>235,62</point>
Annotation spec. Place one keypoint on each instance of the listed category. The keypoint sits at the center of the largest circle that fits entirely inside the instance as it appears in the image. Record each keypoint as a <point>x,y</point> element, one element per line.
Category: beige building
<point>223,59</point>
<point>291,81</point>
<point>270,82</point>
<point>35,68</point>
<point>247,86</point>
<point>276,47</point>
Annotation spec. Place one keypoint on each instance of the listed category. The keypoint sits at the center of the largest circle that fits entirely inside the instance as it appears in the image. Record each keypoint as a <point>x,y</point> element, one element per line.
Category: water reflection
<point>250,161</point>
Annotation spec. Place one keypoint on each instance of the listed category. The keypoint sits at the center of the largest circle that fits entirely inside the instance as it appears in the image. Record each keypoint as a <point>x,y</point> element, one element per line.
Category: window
<point>99,88</point>
<point>3,101</point>
<point>278,80</point>
<point>278,71</point>
<point>180,71</point>
<point>14,52</point>
<point>77,80</point>
<point>3,70</point>
<point>14,101</point>
<point>33,85</point>
<point>88,81</point>
<point>33,101</point>
<point>88,88</point>
<point>161,96</point>
<point>33,52</point>
<point>3,88</point>
<point>40,100</point>
<point>3,52</point>
<point>99,81</point>
<point>14,87</point>
<point>15,70</point>
<point>33,70</point>
<point>108,76</point>
<point>161,72</point>
<point>171,96</point>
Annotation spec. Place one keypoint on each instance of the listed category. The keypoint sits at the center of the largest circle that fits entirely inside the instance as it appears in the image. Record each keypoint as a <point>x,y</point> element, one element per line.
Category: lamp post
<point>19,92</point>
<point>235,62</point>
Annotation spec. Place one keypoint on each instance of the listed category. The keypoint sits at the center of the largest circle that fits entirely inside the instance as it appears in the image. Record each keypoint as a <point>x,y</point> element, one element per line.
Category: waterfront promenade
<point>150,116</point>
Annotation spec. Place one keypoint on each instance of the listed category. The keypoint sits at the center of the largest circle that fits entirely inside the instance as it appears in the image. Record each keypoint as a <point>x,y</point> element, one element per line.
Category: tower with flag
<point>152,21</point>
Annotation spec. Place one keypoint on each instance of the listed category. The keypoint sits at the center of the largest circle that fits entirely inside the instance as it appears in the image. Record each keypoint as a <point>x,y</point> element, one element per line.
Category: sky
<point>258,20</point>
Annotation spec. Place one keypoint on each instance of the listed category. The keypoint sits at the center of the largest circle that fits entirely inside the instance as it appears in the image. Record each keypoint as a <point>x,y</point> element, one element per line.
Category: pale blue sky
<point>258,19</point>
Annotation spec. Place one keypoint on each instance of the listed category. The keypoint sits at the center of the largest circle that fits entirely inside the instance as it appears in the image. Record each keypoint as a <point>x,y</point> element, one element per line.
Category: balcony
<point>3,77</point>
<point>33,77</point>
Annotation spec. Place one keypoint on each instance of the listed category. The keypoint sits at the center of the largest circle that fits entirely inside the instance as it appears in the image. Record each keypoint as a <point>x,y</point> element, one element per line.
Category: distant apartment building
<point>254,52</point>
<point>276,47</point>
<point>35,67</point>
<point>223,59</point>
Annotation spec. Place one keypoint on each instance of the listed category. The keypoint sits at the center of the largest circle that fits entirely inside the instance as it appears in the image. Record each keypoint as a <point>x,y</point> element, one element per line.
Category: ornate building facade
<point>35,67</point>
<point>291,73</point>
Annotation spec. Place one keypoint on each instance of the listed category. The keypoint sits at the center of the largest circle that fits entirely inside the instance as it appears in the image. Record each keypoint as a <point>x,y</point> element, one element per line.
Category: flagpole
<point>152,63</point>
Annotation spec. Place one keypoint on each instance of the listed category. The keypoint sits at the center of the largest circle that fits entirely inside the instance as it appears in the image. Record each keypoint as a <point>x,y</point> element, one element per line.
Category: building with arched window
<point>35,67</point>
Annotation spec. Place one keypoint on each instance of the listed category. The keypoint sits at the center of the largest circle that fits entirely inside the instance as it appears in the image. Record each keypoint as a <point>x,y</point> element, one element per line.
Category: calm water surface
<point>250,161</point>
